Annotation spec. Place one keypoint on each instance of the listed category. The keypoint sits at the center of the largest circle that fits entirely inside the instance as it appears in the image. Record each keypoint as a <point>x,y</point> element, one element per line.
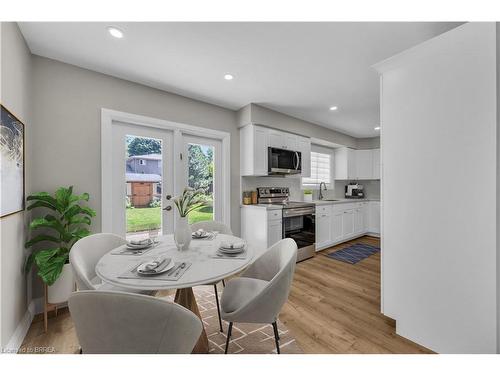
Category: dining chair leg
<point>276,337</point>
<point>218,307</point>
<point>229,330</point>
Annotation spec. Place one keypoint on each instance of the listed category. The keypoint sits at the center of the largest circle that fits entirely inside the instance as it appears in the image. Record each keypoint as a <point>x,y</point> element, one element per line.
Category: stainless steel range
<point>298,218</point>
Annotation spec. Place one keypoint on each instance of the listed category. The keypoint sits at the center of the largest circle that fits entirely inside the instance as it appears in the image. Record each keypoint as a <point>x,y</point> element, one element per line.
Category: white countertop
<point>345,200</point>
<point>263,206</point>
<point>317,202</point>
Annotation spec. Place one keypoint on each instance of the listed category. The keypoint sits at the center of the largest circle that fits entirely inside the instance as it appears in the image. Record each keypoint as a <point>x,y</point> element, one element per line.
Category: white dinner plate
<point>231,251</point>
<point>140,246</point>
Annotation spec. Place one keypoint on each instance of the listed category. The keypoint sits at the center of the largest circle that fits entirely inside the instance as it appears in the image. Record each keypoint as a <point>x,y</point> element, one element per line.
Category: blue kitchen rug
<point>354,253</point>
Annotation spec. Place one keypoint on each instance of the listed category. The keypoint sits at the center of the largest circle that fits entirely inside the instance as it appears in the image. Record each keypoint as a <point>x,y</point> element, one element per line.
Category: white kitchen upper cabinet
<point>276,139</point>
<point>323,227</point>
<point>345,164</point>
<point>348,223</point>
<point>254,141</point>
<point>284,140</point>
<point>364,164</point>
<point>291,142</point>
<point>336,222</point>
<point>304,147</point>
<point>376,164</point>
<point>274,232</point>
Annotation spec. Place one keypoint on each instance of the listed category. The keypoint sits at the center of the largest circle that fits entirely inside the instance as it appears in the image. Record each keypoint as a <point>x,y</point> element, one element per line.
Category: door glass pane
<point>143,172</point>
<point>201,171</point>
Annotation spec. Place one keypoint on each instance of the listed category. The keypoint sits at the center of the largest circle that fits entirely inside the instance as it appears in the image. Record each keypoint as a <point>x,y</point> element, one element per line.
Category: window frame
<point>326,151</point>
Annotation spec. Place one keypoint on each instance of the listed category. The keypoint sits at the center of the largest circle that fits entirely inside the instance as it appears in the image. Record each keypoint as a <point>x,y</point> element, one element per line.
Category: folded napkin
<point>200,232</point>
<point>232,244</point>
<point>155,265</point>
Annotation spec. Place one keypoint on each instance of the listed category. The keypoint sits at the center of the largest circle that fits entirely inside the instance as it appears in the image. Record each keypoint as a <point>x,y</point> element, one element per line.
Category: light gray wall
<point>498,185</point>
<point>66,112</point>
<point>439,253</point>
<point>257,114</point>
<point>15,95</point>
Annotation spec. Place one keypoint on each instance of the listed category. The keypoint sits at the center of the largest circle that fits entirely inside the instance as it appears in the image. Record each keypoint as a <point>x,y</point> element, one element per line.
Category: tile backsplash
<point>372,187</point>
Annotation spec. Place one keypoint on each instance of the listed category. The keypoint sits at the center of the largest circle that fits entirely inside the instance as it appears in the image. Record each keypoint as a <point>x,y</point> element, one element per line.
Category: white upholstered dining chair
<point>262,290</point>
<point>214,226</point>
<point>84,256</point>
<point>126,323</point>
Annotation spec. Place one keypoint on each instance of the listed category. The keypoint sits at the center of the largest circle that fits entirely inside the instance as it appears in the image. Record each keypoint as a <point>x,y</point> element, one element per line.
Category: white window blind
<point>321,169</point>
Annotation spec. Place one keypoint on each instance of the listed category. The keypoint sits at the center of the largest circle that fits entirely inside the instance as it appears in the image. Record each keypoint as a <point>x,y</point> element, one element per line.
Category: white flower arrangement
<point>189,200</point>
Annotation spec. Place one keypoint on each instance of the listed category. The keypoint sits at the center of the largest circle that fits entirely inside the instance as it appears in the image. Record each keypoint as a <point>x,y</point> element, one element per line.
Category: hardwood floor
<point>334,307</point>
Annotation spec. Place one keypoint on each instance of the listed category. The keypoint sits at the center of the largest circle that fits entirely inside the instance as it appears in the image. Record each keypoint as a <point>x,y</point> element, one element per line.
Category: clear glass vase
<point>182,234</point>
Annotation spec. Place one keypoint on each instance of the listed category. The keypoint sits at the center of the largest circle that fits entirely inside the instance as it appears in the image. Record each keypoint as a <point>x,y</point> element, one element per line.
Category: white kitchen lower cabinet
<point>260,227</point>
<point>323,228</point>
<point>374,218</point>
<point>274,232</point>
<point>348,223</point>
<point>337,223</point>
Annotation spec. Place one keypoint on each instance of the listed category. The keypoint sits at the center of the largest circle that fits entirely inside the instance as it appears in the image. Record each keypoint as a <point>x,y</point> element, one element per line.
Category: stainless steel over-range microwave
<point>281,162</point>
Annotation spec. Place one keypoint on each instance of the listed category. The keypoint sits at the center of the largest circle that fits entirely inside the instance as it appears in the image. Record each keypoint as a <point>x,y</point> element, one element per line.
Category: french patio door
<point>150,165</point>
<point>202,170</point>
<point>143,177</point>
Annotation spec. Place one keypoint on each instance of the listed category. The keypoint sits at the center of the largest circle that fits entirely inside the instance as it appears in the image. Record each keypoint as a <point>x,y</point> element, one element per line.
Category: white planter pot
<point>59,291</point>
<point>308,197</point>
<point>182,234</point>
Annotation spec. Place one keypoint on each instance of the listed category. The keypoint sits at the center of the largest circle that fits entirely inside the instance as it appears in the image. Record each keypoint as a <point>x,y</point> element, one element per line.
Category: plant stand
<point>47,307</point>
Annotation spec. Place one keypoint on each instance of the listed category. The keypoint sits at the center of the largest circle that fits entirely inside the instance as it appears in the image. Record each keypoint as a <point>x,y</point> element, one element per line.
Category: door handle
<point>168,208</point>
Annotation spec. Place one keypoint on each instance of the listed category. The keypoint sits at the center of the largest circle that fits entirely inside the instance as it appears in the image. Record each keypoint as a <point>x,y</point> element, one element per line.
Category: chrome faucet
<point>321,191</point>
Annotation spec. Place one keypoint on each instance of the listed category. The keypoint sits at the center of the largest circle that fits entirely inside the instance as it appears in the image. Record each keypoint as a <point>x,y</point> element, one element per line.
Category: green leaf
<point>44,197</point>
<point>80,233</point>
<point>79,220</point>
<point>44,223</point>
<point>29,262</point>
<point>40,238</point>
<point>63,195</point>
<point>88,211</point>
<point>50,264</point>
<point>41,204</point>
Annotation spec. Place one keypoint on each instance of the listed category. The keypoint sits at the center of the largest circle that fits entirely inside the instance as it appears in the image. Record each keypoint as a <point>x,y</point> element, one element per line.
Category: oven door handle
<point>296,160</point>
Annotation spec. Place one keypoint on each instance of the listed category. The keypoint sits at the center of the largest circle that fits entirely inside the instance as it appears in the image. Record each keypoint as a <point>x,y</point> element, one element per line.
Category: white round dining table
<point>205,267</point>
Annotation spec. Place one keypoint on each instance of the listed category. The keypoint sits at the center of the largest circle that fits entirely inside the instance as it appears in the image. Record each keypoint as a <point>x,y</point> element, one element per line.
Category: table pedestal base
<point>185,297</point>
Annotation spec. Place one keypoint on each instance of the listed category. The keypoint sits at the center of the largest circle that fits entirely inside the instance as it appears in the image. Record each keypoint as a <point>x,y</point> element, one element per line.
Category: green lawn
<point>140,219</point>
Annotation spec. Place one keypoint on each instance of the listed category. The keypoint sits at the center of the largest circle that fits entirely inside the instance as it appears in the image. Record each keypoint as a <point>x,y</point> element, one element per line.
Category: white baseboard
<point>35,307</point>
<point>22,328</point>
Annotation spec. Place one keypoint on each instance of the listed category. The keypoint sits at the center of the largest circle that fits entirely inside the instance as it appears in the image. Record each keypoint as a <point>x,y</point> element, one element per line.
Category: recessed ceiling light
<point>228,77</point>
<point>117,33</point>
<point>334,108</point>
<point>377,128</point>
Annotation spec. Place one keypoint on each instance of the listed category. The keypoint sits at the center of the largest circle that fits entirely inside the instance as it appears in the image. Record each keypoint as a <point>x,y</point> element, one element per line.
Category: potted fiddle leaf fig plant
<point>65,221</point>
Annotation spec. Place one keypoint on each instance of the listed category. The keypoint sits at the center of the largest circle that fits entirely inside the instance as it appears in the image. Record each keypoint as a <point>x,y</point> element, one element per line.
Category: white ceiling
<point>300,69</point>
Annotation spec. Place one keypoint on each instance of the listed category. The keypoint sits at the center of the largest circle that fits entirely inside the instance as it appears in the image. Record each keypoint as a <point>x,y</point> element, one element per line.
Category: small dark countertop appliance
<point>354,191</point>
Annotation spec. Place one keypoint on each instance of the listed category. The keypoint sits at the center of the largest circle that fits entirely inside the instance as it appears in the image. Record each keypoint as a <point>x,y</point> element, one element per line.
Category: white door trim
<point>108,116</point>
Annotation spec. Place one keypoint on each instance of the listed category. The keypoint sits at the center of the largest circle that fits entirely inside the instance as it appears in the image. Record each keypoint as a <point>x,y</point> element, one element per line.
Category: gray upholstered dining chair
<point>84,256</point>
<point>214,226</point>
<point>126,323</point>
<point>262,290</point>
